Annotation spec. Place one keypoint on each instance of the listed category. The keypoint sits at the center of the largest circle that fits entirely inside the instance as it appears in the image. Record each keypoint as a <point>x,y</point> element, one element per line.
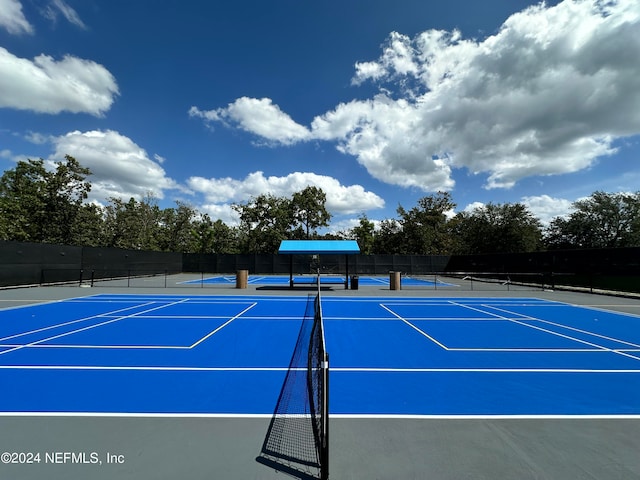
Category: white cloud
<point>12,18</point>
<point>341,199</point>
<point>546,208</point>
<point>222,212</point>
<point>120,168</point>
<point>49,86</point>
<point>548,94</point>
<point>387,138</point>
<point>258,116</point>
<point>543,207</point>
<point>473,206</point>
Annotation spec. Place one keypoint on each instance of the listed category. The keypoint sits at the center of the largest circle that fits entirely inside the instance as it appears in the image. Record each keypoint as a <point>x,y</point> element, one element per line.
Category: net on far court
<point>297,441</point>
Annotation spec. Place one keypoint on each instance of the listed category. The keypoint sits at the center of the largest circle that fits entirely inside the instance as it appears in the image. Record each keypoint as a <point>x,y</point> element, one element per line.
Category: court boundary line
<point>496,318</point>
<point>70,322</point>
<point>444,347</point>
<point>598,348</point>
<point>333,369</point>
<point>528,317</point>
<point>85,328</point>
<point>38,344</point>
<point>335,416</point>
<point>616,351</point>
<point>223,325</point>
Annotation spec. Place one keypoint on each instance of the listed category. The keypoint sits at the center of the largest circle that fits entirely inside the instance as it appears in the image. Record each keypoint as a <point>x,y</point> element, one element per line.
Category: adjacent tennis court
<point>283,280</point>
<point>395,356</point>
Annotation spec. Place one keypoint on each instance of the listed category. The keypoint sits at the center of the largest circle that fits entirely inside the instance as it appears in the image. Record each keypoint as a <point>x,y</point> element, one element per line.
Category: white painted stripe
<point>414,327</point>
<point>334,416</point>
<point>222,326</point>
<point>333,370</point>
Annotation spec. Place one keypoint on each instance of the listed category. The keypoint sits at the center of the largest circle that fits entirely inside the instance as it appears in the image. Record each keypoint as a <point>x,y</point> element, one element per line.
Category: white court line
<point>566,350</point>
<point>223,325</point>
<point>333,416</point>
<point>617,340</point>
<point>618,352</point>
<point>414,327</point>
<point>483,370</point>
<point>74,321</point>
<point>148,368</point>
<point>333,369</point>
<point>148,347</point>
<point>113,347</point>
<point>89,327</point>
<point>380,280</point>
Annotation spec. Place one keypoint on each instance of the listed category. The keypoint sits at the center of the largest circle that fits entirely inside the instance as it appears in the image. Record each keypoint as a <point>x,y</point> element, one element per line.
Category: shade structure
<point>319,247</point>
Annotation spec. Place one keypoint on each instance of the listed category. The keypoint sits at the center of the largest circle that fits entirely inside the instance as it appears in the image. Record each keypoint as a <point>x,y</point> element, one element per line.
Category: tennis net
<point>297,440</point>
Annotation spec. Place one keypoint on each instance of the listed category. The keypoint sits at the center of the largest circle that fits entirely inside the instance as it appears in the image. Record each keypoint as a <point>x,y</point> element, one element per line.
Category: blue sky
<point>377,102</point>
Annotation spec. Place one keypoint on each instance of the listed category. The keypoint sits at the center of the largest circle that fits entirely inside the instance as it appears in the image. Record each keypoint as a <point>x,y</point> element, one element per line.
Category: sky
<point>377,102</point>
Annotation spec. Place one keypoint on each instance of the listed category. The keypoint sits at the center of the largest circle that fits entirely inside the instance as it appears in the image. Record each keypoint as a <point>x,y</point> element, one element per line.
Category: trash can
<point>394,280</point>
<point>354,282</point>
<point>242,277</point>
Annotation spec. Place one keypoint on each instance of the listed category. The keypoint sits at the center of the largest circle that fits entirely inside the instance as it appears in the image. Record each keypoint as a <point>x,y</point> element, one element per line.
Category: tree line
<point>50,206</point>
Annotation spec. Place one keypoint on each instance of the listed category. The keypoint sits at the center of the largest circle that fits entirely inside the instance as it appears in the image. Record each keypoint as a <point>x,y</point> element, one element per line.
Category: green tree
<point>88,229</point>
<point>202,235</point>
<point>265,220</point>
<point>212,237</point>
<point>39,205</point>
<point>309,210</point>
<point>498,228</point>
<point>225,238</point>
<point>604,220</point>
<point>149,216</point>
<point>22,201</point>
<point>122,224</point>
<point>424,227</point>
<point>389,238</point>
<point>67,189</point>
<point>364,235</point>
<point>175,230</point>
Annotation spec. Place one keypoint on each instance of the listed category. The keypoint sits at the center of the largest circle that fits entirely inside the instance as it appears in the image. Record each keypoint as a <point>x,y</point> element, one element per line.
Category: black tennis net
<point>297,440</point>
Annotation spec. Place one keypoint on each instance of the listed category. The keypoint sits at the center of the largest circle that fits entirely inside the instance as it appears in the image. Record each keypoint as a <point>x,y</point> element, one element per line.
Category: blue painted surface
<point>229,354</point>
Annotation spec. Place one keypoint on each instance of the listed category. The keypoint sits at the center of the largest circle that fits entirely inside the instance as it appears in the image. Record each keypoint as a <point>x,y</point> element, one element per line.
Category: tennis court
<point>484,356</point>
<point>393,358</point>
<point>283,280</point>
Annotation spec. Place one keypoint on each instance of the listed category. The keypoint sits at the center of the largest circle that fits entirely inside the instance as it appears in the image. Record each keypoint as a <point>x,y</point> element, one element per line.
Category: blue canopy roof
<point>319,246</point>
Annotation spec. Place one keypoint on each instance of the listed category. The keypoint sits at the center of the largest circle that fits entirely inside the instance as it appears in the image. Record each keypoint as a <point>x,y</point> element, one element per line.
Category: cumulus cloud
<point>547,208</point>
<point>473,206</point>
<point>12,18</point>
<point>258,116</point>
<point>548,94</point>
<point>120,168</point>
<point>47,85</point>
<point>341,199</point>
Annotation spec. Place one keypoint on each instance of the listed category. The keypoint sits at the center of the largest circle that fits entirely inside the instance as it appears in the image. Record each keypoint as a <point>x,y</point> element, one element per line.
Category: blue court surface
<point>228,355</point>
<point>283,280</point>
